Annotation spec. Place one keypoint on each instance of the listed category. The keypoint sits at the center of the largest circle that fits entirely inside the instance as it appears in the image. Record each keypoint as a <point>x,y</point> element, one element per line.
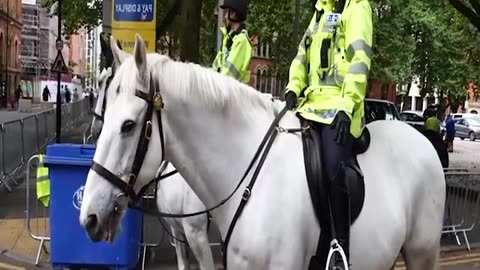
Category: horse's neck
<point>202,144</point>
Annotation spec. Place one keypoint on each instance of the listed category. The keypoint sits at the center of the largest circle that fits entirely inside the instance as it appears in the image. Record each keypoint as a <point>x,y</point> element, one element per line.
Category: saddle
<point>317,182</point>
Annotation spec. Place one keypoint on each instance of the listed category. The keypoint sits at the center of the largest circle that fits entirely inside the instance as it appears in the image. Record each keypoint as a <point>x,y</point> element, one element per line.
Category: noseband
<point>154,103</point>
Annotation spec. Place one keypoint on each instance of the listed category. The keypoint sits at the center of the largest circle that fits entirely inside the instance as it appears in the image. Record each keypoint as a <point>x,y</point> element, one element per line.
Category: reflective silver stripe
<point>231,67</point>
<point>358,68</point>
<point>324,113</point>
<point>358,45</point>
<point>331,79</point>
<point>42,178</point>
<point>302,58</point>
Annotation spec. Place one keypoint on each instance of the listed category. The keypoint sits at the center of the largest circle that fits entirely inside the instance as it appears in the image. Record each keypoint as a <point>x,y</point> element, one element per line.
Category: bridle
<point>154,104</point>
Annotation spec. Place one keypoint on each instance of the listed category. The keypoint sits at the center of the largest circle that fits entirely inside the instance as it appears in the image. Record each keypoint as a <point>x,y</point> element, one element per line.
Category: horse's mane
<point>189,81</point>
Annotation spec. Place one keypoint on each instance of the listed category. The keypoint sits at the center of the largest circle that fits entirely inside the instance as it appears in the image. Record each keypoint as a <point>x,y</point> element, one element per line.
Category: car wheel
<point>471,135</point>
<point>461,138</point>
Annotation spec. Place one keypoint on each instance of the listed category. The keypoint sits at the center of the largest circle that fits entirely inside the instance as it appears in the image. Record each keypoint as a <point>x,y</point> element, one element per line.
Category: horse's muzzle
<point>93,228</point>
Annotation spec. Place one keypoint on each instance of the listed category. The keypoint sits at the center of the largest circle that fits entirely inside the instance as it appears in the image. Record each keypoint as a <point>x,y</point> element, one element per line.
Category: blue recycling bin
<point>70,246</point>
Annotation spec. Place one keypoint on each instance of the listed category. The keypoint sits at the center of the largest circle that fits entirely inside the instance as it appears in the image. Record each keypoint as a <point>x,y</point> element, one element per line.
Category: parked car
<point>378,109</point>
<point>413,118</point>
<point>467,128</point>
<point>464,115</point>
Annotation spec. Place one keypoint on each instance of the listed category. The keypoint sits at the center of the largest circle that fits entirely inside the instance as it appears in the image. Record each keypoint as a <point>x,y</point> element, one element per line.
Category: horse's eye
<point>128,126</point>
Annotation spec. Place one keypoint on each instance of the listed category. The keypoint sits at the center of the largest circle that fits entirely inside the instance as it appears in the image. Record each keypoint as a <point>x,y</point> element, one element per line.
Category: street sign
<point>59,44</point>
<point>133,10</point>
<point>59,64</point>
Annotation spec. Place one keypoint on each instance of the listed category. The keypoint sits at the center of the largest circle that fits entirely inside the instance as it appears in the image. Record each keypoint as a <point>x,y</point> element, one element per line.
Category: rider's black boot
<point>340,204</point>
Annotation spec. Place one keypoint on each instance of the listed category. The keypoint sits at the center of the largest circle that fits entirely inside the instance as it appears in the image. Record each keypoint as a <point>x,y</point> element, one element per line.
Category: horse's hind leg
<point>197,237</point>
<point>181,250</point>
<point>420,258</point>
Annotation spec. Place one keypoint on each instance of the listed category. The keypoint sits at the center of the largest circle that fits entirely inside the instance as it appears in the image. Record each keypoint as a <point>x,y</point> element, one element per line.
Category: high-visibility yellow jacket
<point>432,123</point>
<point>43,183</point>
<point>333,63</point>
<point>234,60</point>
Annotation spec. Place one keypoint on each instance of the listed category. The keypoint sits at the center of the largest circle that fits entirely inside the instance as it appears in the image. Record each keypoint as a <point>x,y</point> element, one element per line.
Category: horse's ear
<point>118,55</point>
<point>140,55</point>
<point>106,51</point>
<point>119,45</point>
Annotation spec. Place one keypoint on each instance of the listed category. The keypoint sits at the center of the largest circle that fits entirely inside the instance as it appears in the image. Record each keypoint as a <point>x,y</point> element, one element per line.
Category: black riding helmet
<point>239,6</point>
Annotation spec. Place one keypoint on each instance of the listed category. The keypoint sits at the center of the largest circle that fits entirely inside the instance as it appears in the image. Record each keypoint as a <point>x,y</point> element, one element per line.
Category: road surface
<point>466,154</point>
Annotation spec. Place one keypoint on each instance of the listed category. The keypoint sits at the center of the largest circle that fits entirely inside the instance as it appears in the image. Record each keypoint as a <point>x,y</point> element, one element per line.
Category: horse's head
<point>125,158</point>
<point>111,61</point>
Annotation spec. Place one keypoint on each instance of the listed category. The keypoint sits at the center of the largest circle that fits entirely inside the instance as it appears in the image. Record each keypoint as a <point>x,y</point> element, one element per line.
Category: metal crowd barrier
<point>20,139</point>
<point>87,135</point>
<point>462,203</point>
<point>40,214</point>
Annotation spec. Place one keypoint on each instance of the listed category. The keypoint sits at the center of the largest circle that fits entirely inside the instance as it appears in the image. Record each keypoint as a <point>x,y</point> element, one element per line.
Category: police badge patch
<point>332,20</point>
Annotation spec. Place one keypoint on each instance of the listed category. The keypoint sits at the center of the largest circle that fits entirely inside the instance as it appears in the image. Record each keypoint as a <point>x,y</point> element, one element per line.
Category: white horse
<point>211,127</point>
<point>173,193</point>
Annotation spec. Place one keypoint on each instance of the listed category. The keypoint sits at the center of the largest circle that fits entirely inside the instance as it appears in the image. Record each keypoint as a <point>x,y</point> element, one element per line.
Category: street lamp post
<point>59,76</point>
<point>7,55</point>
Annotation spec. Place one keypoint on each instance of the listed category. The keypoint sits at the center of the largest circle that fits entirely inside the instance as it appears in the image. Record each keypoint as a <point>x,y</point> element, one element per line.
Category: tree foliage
<point>77,14</point>
<point>424,42</point>
<point>276,25</point>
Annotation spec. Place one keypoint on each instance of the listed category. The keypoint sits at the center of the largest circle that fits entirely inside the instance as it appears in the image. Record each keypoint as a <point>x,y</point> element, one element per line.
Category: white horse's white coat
<point>213,125</point>
<point>173,196</point>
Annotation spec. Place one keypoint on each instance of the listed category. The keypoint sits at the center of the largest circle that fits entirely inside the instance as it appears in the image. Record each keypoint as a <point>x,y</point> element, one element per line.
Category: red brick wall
<point>15,36</point>
<point>381,90</point>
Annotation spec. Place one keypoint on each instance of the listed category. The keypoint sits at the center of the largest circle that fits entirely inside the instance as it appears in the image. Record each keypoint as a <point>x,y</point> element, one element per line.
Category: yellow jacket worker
<point>234,57</point>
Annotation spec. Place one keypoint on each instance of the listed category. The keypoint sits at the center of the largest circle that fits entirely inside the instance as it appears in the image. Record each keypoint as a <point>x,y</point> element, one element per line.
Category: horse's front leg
<point>181,249</point>
<point>197,236</point>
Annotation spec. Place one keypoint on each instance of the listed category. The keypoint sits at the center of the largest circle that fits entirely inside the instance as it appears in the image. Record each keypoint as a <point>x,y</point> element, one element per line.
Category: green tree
<point>424,42</point>
<point>77,14</point>
<point>274,24</point>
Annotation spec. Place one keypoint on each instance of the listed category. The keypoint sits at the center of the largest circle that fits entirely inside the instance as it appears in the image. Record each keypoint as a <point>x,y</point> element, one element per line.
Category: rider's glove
<point>341,123</point>
<point>291,99</point>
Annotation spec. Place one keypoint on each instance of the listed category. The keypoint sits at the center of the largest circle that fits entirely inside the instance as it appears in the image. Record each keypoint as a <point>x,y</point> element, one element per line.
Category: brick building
<point>10,44</point>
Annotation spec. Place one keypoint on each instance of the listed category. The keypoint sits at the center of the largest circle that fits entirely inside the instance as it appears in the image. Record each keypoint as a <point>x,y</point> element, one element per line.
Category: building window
<point>257,80</point>
<point>263,83</point>
<point>2,53</point>
<point>16,54</point>
<point>385,91</point>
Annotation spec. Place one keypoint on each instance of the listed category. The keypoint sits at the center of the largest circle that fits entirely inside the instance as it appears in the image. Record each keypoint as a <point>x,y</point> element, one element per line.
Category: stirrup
<point>336,247</point>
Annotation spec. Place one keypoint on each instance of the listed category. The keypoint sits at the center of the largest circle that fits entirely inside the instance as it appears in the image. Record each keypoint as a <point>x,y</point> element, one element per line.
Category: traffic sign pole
<point>59,78</point>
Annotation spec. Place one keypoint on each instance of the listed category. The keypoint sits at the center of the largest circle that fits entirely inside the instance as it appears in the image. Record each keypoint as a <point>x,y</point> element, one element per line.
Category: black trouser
<point>333,156</point>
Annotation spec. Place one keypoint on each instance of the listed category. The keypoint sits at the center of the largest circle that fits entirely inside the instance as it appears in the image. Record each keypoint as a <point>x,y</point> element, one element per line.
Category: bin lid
<point>69,154</point>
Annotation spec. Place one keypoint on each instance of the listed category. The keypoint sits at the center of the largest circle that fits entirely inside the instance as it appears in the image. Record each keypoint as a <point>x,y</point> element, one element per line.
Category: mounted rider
<point>234,57</point>
<point>331,71</point>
